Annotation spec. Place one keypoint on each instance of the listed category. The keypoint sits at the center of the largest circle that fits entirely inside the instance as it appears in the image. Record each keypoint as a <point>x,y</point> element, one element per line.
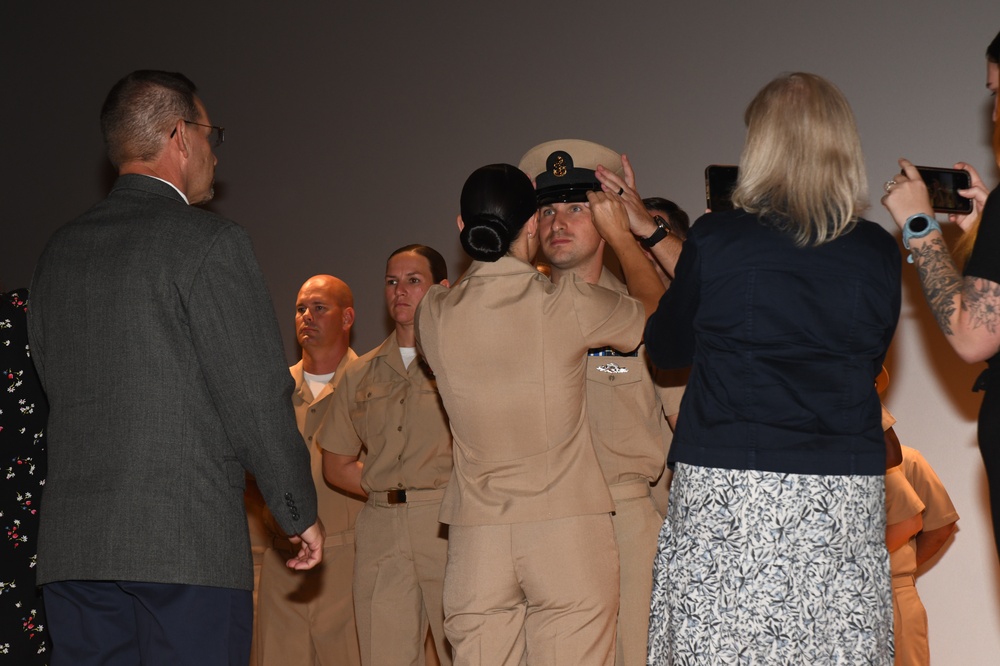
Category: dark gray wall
<point>351,127</point>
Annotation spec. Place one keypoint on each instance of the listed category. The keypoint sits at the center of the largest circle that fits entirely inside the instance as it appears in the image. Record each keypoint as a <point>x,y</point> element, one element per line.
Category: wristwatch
<point>662,231</point>
<point>918,226</point>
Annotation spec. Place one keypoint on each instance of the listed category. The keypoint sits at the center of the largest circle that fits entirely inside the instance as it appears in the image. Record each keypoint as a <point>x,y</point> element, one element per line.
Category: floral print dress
<point>22,453</point>
<point>768,568</point>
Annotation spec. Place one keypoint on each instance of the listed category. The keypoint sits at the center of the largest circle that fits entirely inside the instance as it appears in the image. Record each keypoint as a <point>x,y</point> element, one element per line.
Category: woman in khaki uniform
<point>387,403</point>
<point>532,562</point>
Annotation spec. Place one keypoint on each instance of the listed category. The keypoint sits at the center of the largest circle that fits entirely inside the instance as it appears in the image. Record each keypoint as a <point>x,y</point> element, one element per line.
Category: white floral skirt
<point>768,568</point>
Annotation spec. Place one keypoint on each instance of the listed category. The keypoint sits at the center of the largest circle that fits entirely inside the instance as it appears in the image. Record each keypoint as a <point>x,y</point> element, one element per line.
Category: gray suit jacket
<point>153,333</point>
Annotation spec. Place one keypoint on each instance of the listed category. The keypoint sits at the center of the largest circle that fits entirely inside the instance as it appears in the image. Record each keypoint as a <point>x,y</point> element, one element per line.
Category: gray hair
<point>140,109</point>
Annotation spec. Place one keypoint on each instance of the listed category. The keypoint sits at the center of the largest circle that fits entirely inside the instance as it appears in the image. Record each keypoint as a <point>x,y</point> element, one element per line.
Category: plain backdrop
<point>351,127</point>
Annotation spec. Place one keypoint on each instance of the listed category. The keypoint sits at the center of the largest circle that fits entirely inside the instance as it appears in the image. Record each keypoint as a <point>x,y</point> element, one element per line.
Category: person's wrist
<point>645,227</point>
<point>660,232</point>
<point>618,238</point>
<point>917,227</point>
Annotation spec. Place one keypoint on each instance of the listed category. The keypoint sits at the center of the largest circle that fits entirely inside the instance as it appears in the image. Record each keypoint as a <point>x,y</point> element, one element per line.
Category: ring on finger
<point>888,185</point>
<point>621,191</point>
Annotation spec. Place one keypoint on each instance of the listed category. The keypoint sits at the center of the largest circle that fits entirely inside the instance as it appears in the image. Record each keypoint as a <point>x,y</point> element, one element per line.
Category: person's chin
<point>203,199</point>
<point>554,255</point>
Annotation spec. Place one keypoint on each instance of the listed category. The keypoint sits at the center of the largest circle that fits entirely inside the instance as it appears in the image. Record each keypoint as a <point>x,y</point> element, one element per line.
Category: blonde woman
<point>773,550</point>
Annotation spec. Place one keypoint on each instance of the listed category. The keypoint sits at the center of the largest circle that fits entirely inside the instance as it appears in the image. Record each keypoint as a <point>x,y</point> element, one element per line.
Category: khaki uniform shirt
<point>509,351</point>
<point>938,509</point>
<point>337,510</point>
<point>901,503</point>
<point>396,415</point>
<point>888,420</point>
<point>627,410</point>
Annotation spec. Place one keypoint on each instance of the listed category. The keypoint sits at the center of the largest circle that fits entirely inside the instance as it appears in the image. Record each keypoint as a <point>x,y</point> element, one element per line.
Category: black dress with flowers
<point>22,452</point>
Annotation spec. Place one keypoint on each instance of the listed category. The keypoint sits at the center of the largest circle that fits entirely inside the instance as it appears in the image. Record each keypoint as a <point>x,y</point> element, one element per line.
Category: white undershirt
<point>173,186</point>
<point>408,354</point>
<point>316,382</point>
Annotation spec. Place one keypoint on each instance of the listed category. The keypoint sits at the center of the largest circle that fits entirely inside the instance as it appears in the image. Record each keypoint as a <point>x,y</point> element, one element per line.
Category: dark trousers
<point>989,447</point>
<point>123,622</point>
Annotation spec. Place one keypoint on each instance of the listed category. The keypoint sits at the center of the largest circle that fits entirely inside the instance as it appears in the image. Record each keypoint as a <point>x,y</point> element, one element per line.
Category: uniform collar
<point>393,358</point>
<point>302,391</point>
<point>609,280</point>
<point>505,265</point>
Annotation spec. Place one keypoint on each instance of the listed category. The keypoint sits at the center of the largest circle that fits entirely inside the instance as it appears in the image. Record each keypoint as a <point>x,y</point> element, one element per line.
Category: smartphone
<point>720,181</point>
<point>943,186</point>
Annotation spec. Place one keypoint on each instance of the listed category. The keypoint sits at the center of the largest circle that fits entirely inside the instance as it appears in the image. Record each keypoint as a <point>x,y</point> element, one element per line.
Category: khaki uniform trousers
<point>307,617</point>
<point>637,529</point>
<point>909,623</point>
<point>401,552</point>
<point>543,593</point>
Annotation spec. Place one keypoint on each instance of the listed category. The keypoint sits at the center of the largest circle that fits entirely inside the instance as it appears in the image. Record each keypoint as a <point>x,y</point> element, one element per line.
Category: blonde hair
<point>802,166</point>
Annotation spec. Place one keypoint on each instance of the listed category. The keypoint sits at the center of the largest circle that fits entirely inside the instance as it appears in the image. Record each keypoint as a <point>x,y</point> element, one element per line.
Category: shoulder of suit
<point>168,203</point>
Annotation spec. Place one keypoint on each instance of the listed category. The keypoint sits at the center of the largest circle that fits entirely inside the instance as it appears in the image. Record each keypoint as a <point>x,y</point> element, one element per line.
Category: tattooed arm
<point>966,308</point>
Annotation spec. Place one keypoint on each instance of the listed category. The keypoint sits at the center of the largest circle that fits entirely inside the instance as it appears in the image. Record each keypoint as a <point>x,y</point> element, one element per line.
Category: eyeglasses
<point>219,132</point>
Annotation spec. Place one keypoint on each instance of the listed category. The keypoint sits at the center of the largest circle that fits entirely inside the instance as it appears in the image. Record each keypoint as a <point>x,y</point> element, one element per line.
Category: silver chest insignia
<point>612,368</point>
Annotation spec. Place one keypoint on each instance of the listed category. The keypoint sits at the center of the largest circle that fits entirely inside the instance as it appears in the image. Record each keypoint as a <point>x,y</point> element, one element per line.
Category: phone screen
<point>720,181</point>
<point>943,186</point>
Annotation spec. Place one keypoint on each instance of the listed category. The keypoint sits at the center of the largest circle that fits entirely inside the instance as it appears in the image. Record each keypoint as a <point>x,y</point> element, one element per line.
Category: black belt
<point>398,496</point>
<point>610,351</point>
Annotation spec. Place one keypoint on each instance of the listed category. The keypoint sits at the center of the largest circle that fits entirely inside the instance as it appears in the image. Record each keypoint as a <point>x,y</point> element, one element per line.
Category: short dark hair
<point>993,50</point>
<point>139,110</point>
<point>439,268</point>
<point>679,221</point>
<point>497,200</point>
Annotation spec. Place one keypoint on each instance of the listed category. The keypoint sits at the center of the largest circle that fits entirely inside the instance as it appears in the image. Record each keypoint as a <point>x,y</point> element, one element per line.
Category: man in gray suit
<point>156,342</point>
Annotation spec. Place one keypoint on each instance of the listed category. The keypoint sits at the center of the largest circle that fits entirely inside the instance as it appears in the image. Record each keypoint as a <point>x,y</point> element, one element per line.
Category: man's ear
<point>460,222</point>
<point>348,318</point>
<point>180,137</point>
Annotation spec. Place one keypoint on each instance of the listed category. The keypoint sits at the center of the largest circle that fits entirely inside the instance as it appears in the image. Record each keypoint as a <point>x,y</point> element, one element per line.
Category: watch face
<point>919,224</point>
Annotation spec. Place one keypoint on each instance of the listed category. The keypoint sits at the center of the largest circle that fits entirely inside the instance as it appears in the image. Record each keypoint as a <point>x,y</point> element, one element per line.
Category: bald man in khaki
<point>307,617</point>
